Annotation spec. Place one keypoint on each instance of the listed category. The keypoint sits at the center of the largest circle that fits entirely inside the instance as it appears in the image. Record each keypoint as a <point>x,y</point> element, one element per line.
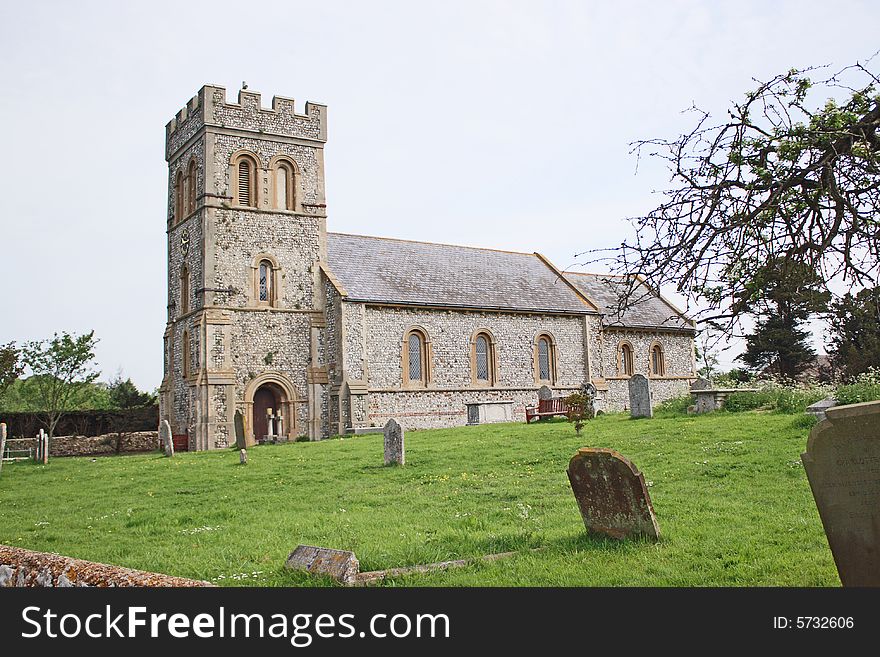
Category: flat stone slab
<point>611,494</point>
<point>818,409</point>
<point>341,565</point>
<point>362,431</point>
<point>842,463</point>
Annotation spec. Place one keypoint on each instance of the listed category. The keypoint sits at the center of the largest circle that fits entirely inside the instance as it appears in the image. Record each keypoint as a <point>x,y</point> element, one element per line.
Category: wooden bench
<point>547,408</point>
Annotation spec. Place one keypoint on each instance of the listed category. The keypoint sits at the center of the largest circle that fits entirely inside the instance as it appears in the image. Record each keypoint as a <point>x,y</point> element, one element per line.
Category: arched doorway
<point>270,390</point>
<point>270,422</point>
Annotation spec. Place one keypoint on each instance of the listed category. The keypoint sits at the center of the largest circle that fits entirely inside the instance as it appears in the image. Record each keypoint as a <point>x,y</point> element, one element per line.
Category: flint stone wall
<point>140,441</point>
<point>25,568</point>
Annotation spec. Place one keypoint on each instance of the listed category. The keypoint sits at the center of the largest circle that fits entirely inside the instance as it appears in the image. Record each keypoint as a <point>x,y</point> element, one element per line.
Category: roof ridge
<point>457,246</point>
<point>594,273</point>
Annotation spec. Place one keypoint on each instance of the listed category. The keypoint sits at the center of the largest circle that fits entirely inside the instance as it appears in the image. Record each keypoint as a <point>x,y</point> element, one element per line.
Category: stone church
<point>311,334</point>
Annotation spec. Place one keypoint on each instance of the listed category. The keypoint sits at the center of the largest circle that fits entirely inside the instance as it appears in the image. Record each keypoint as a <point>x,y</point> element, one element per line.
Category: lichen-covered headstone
<point>611,494</point>
<point>701,384</point>
<point>395,451</point>
<point>240,440</point>
<point>341,565</point>
<point>842,463</point>
<point>545,392</point>
<point>165,438</point>
<point>640,396</point>
<point>242,456</point>
<point>2,443</point>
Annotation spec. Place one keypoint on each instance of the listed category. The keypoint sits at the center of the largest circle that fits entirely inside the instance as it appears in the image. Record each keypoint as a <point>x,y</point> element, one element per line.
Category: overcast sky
<point>499,124</point>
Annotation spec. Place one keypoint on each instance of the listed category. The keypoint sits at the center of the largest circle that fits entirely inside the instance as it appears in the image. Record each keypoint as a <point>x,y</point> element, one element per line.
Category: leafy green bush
<point>864,388</point>
<point>674,406</point>
<point>788,400</point>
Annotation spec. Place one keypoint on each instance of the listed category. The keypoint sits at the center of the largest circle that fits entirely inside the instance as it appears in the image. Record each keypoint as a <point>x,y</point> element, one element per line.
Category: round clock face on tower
<point>184,243</point>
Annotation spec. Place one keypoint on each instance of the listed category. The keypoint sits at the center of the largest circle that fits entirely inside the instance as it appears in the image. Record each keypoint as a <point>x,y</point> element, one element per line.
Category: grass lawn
<point>731,498</point>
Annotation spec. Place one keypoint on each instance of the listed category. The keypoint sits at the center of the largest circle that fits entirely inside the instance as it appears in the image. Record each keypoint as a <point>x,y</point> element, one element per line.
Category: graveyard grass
<point>730,494</point>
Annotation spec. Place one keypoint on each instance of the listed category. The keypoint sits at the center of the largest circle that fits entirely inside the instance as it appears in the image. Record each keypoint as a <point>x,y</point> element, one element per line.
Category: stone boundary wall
<point>139,441</point>
<point>25,568</point>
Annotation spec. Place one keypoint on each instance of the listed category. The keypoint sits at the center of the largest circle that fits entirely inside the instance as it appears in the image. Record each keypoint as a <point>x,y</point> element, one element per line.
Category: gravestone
<point>544,392</point>
<point>819,409</point>
<point>611,494</point>
<point>589,391</point>
<point>240,440</point>
<point>701,384</point>
<point>395,451</point>
<point>2,443</point>
<point>242,456</point>
<point>842,462</point>
<point>165,438</point>
<point>640,396</point>
<point>341,565</point>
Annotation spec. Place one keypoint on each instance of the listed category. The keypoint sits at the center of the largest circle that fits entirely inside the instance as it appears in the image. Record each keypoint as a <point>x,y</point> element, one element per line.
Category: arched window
<point>545,359</point>
<point>483,359</point>
<point>265,282</point>
<point>186,354</point>
<point>178,197</point>
<point>416,359</point>
<point>245,181</point>
<point>184,290</point>
<point>284,186</point>
<point>658,364</point>
<point>191,180</point>
<point>625,365</point>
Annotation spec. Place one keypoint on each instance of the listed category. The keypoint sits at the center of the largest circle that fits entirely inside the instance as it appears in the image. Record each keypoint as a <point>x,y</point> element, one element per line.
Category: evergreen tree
<point>787,293</point>
<point>855,331</point>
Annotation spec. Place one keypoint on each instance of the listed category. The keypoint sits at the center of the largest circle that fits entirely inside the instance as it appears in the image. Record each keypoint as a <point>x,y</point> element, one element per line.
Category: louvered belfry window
<point>414,351</point>
<point>244,182</point>
<point>482,349</point>
<point>544,359</point>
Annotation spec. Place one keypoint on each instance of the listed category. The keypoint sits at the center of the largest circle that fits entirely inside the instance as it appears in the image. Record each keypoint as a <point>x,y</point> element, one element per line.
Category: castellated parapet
<point>209,107</point>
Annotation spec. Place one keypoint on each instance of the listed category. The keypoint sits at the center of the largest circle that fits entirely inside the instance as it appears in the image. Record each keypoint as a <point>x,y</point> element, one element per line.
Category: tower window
<point>284,186</point>
<point>184,290</point>
<point>265,281</point>
<point>186,354</point>
<point>191,180</point>
<point>245,182</point>
<point>178,197</point>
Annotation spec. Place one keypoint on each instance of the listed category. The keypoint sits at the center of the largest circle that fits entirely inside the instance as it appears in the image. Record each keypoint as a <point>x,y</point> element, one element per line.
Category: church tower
<point>246,240</point>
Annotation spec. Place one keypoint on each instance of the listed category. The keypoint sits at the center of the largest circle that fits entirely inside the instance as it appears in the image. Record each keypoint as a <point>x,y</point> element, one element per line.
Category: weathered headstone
<point>341,565</point>
<point>395,451</point>
<point>842,462</point>
<point>165,438</point>
<point>242,456</point>
<point>701,384</point>
<point>611,494</point>
<point>2,443</point>
<point>240,440</point>
<point>640,396</point>
<point>545,392</point>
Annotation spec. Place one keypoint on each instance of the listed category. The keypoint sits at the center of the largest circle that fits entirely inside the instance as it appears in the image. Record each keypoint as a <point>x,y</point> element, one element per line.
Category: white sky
<point>500,124</point>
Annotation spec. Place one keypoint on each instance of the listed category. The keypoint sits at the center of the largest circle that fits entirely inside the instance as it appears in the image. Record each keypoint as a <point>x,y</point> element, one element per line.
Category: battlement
<point>209,107</point>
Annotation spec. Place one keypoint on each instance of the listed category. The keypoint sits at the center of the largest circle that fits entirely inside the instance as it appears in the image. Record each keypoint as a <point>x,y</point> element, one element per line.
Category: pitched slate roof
<point>381,270</point>
<point>638,308</point>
